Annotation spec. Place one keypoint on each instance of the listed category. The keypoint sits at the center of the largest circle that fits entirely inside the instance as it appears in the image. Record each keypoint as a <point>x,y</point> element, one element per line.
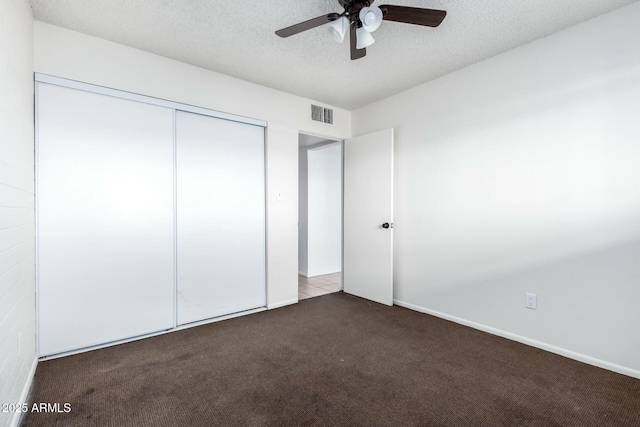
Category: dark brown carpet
<point>332,360</point>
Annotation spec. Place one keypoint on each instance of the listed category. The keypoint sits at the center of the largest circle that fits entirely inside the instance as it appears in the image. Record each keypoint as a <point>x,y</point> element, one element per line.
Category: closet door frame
<point>175,106</point>
<point>87,87</point>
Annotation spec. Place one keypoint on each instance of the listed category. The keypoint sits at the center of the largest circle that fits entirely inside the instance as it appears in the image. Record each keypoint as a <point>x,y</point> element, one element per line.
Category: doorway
<point>320,216</point>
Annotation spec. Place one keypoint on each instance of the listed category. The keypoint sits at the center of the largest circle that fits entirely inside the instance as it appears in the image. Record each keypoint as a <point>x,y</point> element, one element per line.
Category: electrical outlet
<point>531,301</point>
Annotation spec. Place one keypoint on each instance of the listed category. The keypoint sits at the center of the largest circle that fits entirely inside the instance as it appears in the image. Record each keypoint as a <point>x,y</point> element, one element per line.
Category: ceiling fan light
<point>364,38</point>
<point>371,18</point>
<point>338,29</point>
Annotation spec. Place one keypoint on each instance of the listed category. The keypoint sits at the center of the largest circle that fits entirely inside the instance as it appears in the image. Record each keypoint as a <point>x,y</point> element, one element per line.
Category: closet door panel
<point>221,217</point>
<point>105,218</point>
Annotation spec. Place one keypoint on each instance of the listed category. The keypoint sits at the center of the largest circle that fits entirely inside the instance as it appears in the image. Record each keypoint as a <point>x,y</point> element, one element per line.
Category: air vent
<point>328,115</point>
<point>319,114</point>
<point>316,113</point>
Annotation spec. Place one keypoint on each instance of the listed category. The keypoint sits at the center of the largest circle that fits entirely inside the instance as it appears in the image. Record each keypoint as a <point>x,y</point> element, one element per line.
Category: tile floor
<point>309,287</point>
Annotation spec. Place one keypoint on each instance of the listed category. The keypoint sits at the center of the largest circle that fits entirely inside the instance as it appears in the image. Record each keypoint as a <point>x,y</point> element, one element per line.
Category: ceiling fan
<point>361,19</point>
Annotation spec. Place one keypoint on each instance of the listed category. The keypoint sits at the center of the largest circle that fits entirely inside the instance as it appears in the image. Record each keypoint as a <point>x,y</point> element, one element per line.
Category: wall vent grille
<point>328,115</point>
<point>319,114</point>
<point>316,113</point>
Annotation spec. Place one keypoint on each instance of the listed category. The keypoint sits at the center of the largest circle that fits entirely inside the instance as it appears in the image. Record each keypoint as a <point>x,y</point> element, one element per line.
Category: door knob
<point>387,225</point>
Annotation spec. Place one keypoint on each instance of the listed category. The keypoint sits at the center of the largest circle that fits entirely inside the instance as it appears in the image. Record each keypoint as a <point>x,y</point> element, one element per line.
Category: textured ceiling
<point>237,38</point>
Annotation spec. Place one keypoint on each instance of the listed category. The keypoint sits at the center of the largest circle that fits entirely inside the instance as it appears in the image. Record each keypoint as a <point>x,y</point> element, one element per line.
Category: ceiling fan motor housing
<point>352,9</point>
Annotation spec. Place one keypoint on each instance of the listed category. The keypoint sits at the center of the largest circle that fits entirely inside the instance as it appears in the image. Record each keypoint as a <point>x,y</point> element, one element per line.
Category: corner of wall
<point>17,220</point>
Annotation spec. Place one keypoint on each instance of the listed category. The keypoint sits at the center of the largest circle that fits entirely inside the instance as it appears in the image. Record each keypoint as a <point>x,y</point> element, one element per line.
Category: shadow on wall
<point>580,295</point>
<point>520,174</point>
<point>523,187</point>
<point>461,113</point>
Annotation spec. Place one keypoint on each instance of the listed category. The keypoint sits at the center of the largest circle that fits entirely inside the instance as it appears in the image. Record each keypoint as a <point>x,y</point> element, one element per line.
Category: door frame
<point>342,169</point>
<point>342,142</point>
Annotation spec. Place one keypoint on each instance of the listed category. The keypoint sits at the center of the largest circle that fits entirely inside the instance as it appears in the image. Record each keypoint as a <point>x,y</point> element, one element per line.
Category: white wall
<point>69,54</point>
<point>17,250</point>
<point>522,174</point>
<point>324,209</point>
<point>63,53</point>
<point>282,216</point>
<point>303,211</point>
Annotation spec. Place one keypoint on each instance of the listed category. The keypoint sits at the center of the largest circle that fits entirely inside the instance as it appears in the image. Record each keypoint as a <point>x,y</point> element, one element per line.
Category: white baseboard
<point>16,420</point>
<point>528,341</point>
<point>300,273</point>
<point>282,304</point>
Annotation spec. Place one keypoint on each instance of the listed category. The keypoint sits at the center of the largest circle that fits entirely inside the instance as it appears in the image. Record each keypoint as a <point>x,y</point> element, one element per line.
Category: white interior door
<point>105,218</point>
<point>368,216</point>
<point>221,217</point>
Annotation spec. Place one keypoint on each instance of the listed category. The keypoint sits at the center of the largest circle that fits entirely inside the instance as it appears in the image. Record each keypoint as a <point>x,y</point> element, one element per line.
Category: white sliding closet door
<point>221,217</point>
<point>105,218</point>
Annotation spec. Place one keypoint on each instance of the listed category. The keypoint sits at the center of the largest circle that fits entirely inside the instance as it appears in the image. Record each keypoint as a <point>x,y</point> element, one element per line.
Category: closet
<point>150,215</point>
<point>221,218</point>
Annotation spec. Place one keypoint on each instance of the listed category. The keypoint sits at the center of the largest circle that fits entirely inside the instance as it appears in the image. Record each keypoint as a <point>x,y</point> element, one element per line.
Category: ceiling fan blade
<point>307,25</point>
<point>413,15</point>
<point>355,53</point>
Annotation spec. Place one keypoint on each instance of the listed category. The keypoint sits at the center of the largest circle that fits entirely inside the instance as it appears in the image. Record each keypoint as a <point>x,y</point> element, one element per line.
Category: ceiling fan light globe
<point>364,38</point>
<point>338,29</point>
<point>371,18</point>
